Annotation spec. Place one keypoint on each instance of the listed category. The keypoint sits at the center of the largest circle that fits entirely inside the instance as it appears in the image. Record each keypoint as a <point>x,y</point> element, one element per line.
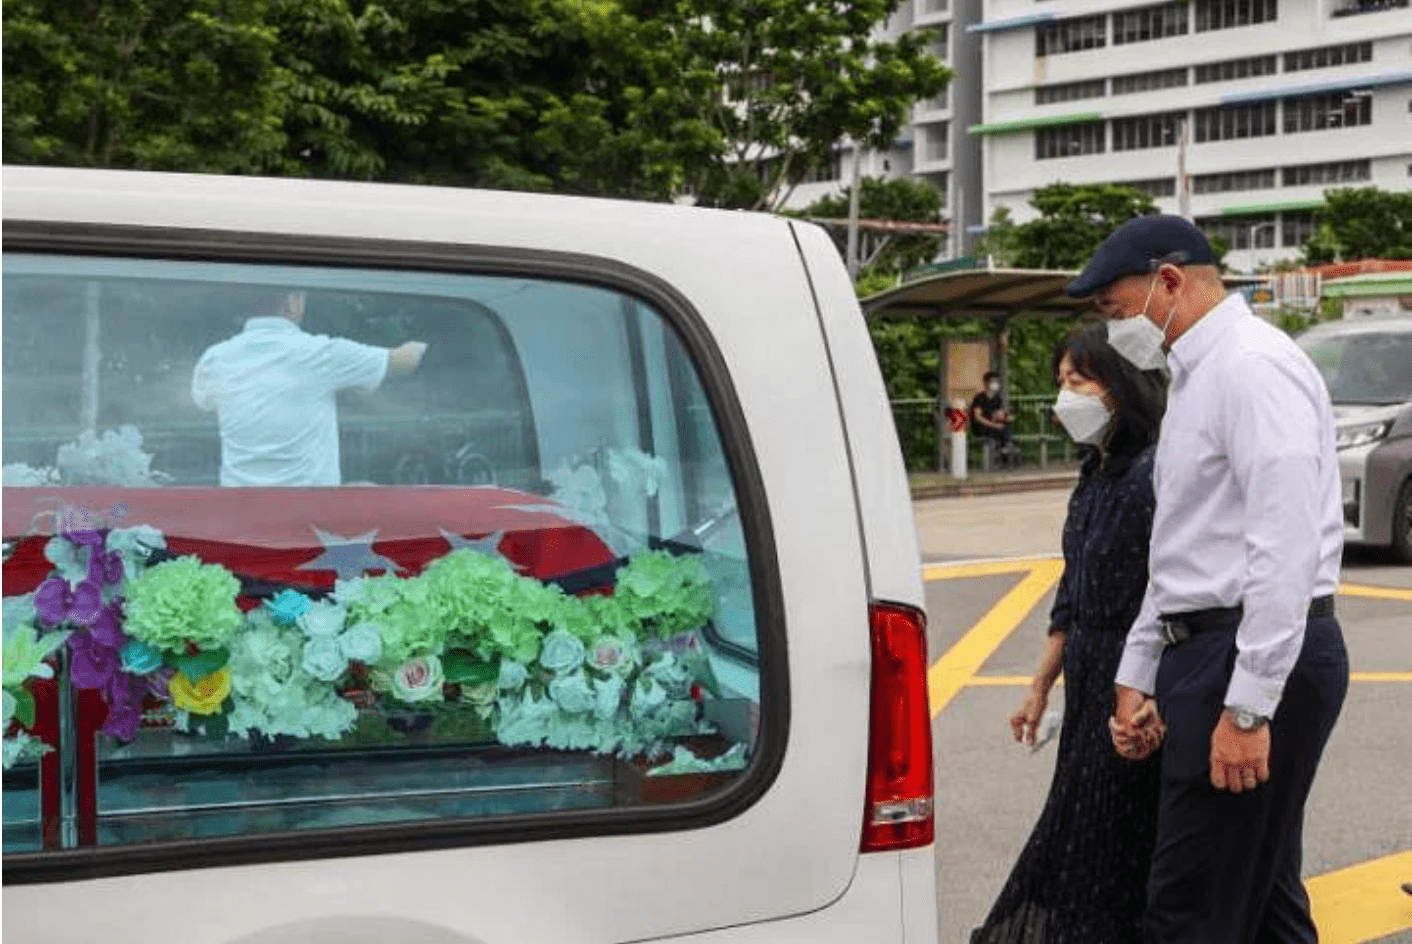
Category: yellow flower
<point>204,697</point>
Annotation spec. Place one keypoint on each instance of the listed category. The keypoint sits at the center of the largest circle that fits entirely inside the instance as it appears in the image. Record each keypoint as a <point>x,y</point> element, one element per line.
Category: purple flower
<point>93,664</point>
<point>105,568</point>
<point>107,629</point>
<point>89,538</point>
<point>124,695</point>
<point>156,682</point>
<point>58,602</point>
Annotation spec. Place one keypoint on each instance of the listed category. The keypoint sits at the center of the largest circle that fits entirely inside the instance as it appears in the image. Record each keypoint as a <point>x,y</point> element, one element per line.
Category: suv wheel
<point>1402,523</point>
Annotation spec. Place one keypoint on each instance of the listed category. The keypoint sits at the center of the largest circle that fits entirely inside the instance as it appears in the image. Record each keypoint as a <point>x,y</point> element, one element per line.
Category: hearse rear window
<point>296,549</point>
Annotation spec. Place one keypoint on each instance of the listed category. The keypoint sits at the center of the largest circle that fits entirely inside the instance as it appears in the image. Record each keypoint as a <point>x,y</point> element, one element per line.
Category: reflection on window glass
<point>1371,368</point>
<point>306,548</point>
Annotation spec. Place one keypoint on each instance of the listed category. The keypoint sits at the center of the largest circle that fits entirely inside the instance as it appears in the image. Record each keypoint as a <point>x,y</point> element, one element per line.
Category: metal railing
<point>1040,439</point>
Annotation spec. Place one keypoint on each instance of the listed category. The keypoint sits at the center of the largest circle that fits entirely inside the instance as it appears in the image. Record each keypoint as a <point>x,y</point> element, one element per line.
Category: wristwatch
<point>1246,720</point>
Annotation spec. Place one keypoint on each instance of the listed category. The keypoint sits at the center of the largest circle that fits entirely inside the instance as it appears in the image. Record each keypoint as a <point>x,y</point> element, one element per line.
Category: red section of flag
<point>273,533</point>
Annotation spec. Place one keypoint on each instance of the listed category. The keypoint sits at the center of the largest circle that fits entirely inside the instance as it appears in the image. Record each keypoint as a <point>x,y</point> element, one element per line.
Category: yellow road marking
<point>1379,593</point>
<point>1018,681</point>
<point>950,673</point>
<point>1363,902</point>
<point>981,569</point>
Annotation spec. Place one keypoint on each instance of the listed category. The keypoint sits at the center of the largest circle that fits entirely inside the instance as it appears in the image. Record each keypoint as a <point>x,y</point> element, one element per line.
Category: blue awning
<point>1013,22</point>
<point>1314,88</point>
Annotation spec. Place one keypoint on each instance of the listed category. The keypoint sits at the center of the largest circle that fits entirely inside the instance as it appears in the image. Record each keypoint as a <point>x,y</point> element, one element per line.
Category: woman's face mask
<point>1138,340</point>
<point>1085,416</point>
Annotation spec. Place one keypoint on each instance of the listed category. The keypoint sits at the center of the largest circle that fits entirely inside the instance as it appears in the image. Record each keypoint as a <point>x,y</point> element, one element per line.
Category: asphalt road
<point>990,576</point>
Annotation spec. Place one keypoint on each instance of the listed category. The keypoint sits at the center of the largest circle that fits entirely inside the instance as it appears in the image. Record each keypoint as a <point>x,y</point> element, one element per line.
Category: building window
<point>1328,56</point>
<point>829,169</point>
<point>1296,228</point>
<point>1069,140</point>
<point>1239,232</point>
<point>1148,81</point>
<point>1232,122</point>
<point>1225,14</point>
<point>1355,7</point>
<point>1332,110</point>
<point>1233,69</point>
<point>1263,179</point>
<point>934,6</point>
<point>1147,131</point>
<point>1068,92</point>
<point>1155,22</point>
<point>1071,35</point>
<point>1155,187</point>
<point>934,141</point>
<point>1336,172</point>
<point>940,46</point>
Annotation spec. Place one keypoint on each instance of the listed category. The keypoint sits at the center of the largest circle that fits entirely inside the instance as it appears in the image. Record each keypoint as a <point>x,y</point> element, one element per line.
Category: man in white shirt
<point>273,387</point>
<point>1237,638</point>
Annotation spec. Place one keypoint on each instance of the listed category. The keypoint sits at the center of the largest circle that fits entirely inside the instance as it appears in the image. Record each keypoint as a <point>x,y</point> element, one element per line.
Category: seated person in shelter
<point>990,419</point>
<point>273,388</point>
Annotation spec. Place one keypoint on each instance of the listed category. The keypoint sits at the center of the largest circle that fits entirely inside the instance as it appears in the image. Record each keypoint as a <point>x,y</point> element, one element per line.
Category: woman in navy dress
<point>1082,876</point>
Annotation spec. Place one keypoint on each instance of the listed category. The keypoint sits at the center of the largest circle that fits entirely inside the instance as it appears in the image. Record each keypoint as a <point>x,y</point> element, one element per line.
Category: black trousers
<point>1226,869</point>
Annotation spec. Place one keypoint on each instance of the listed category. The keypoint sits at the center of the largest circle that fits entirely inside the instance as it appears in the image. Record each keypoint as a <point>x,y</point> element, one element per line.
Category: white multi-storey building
<point>1277,100</point>
<point>936,146</point>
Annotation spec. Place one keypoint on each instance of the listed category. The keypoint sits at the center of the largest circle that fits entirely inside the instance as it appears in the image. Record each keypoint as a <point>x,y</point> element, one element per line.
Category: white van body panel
<point>879,474</point>
<point>795,851</point>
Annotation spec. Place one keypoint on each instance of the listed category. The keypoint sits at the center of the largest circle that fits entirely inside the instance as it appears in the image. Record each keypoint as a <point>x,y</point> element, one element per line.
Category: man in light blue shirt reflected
<point>273,387</point>
<point>1236,653</point>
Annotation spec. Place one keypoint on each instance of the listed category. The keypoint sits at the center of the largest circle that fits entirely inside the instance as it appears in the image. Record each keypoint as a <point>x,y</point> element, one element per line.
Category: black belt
<point>1177,628</point>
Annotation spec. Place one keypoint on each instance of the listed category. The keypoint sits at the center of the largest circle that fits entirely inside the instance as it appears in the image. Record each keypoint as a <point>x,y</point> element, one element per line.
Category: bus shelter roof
<point>988,292</point>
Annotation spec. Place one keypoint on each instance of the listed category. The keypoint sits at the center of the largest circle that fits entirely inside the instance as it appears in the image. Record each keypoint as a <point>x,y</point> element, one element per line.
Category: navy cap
<point>1142,245</point>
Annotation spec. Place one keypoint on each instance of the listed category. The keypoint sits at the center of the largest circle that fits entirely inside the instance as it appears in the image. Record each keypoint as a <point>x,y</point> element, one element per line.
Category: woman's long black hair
<point>1139,397</point>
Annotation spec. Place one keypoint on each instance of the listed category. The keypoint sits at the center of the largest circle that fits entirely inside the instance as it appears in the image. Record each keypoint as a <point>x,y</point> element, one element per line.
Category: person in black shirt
<point>990,419</point>
<point>1081,878</point>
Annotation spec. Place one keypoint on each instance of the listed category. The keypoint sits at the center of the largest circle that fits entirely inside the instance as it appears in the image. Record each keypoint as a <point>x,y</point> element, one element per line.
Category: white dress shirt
<point>1249,507</point>
<point>273,387</point>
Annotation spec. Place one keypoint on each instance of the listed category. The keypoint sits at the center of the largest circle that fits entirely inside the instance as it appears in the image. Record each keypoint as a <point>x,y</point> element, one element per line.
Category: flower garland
<point>163,641</point>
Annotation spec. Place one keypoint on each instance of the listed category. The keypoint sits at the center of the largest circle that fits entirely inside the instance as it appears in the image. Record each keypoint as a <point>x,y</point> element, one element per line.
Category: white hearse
<point>387,563</point>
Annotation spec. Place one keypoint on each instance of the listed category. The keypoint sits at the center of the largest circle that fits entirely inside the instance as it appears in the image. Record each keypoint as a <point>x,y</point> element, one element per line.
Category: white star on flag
<point>488,545</point>
<point>349,557</point>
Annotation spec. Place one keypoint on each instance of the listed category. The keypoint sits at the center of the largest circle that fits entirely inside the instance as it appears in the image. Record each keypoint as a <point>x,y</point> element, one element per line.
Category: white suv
<point>1367,364</point>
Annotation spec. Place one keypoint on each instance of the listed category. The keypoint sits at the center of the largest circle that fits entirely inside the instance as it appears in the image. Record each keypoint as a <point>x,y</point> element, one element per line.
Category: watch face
<point>1247,720</point>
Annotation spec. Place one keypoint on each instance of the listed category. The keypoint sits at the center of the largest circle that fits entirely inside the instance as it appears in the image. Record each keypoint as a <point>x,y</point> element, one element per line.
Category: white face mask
<point>1140,341</point>
<point>1083,415</point>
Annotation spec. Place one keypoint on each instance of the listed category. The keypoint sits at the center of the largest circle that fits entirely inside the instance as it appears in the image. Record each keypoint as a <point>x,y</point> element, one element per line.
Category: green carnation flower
<point>183,601</point>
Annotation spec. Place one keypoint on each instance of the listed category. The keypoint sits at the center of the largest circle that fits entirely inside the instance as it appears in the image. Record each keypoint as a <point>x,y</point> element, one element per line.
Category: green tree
<point>1361,223</point>
<point>900,198</point>
<point>998,244</point>
<point>799,76</point>
<point>172,85</point>
<point>1073,220</point>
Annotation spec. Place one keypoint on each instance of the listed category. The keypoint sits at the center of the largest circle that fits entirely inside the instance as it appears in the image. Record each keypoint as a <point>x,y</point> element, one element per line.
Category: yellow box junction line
<point>1353,905</point>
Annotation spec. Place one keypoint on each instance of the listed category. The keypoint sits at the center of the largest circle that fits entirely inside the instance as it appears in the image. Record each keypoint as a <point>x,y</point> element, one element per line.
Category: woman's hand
<point>1024,723</point>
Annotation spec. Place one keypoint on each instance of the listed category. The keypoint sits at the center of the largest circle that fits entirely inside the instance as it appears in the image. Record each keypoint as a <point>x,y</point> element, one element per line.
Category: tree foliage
<point>1073,220</point>
<point>885,255</point>
<point>1361,223</point>
<point>611,97</point>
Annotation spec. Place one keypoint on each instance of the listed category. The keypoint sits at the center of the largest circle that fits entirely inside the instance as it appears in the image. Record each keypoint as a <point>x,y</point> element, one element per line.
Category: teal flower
<point>287,607</point>
<point>361,643</point>
<point>139,658</point>
<point>573,694</point>
<point>323,660</point>
<point>562,652</point>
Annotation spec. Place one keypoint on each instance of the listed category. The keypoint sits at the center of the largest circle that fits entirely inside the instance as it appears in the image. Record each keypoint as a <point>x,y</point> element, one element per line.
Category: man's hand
<point>1136,726</point>
<point>1240,760</point>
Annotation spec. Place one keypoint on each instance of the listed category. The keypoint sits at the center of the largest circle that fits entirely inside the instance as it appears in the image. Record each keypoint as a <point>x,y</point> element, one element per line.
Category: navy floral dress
<point>1082,876</point>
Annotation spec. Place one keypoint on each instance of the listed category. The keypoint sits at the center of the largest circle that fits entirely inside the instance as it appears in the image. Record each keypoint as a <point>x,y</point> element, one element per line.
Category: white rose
<point>647,696</point>
<point>512,675</point>
<point>361,643</point>
<point>562,652</point>
<point>614,655</point>
<point>610,696</point>
<point>572,693</point>
<point>323,660</point>
<point>322,619</point>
